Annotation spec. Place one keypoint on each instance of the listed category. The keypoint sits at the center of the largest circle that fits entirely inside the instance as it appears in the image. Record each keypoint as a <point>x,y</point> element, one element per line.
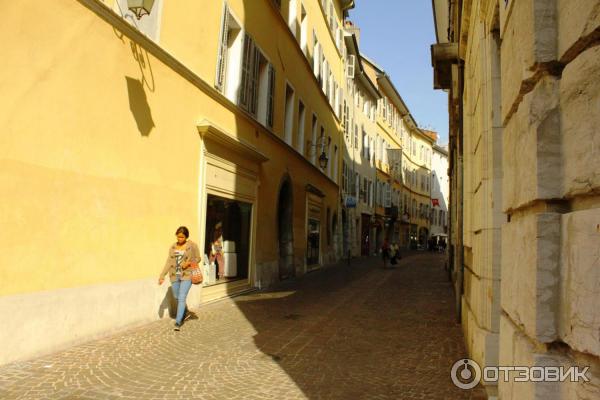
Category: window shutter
<point>350,66</point>
<point>254,81</point>
<point>271,92</point>
<point>388,196</point>
<point>222,56</point>
<point>246,57</point>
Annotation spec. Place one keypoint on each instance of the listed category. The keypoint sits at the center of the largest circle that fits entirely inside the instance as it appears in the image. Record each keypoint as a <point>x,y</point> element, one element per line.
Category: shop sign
<point>350,202</point>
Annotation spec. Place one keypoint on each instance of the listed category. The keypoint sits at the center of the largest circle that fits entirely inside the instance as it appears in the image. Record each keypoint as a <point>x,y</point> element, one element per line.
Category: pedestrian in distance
<point>385,252</point>
<point>394,253</point>
<point>183,254</point>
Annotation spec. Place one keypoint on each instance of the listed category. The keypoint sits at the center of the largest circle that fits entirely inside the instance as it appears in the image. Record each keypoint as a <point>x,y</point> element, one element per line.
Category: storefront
<point>228,200</point>
<point>365,237</point>
<point>314,211</point>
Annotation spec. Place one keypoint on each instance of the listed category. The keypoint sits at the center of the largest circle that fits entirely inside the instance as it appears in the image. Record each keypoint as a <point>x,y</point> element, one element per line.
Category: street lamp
<point>140,7</point>
<point>323,160</point>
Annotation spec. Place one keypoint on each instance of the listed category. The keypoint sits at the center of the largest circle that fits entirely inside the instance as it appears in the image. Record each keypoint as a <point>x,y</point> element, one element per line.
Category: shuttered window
<point>271,98</point>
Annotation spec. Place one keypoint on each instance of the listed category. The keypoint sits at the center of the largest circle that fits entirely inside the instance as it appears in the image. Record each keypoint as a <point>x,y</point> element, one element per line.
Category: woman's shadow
<point>170,304</point>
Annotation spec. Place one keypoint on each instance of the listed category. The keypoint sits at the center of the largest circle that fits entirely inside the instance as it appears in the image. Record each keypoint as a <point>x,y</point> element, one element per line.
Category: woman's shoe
<point>177,327</point>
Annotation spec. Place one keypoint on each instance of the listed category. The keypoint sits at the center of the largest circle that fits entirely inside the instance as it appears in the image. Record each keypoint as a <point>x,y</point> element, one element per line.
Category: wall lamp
<point>323,159</point>
<point>140,7</point>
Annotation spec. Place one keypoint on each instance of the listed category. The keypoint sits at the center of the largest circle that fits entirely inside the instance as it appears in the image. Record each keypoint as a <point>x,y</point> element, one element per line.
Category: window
<point>251,59</point>
<point>293,17</point>
<point>356,136</point>
<point>317,65</point>
<point>346,119</point>
<point>312,149</point>
<point>350,66</point>
<point>325,83</point>
<point>288,124</point>
<point>230,53</point>
<point>303,31</point>
<point>301,121</point>
<point>335,164</point>
<point>244,74</point>
<point>266,91</point>
<point>365,148</point>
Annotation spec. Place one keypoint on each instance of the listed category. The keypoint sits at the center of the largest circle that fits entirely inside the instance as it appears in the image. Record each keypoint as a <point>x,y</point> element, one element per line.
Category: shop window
<point>227,244</point>
<point>312,242</point>
<point>328,227</point>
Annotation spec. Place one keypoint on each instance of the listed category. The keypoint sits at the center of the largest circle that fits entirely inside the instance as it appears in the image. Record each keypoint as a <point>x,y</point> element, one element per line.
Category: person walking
<point>385,252</point>
<point>182,254</point>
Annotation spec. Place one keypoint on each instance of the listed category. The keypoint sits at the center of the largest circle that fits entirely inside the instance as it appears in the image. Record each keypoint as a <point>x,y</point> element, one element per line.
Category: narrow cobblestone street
<point>358,332</point>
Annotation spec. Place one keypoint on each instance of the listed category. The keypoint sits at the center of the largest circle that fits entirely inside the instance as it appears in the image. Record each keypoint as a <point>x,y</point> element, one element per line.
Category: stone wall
<point>531,153</point>
<point>551,238</point>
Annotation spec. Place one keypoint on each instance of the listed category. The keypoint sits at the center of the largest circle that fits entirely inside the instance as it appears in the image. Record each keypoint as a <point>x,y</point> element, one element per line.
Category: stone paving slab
<point>358,332</point>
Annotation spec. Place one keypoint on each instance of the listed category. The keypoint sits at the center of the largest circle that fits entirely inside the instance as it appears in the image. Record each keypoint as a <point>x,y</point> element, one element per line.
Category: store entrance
<point>365,239</point>
<point>227,244</point>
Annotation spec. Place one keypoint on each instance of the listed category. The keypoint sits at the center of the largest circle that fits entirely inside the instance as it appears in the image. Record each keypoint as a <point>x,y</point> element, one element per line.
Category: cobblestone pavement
<point>358,332</point>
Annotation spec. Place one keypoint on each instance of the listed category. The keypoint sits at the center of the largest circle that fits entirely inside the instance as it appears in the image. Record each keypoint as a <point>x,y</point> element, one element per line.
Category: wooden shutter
<point>247,54</point>
<point>271,95</point>
<point>222,56</point>
<point>253,78</point>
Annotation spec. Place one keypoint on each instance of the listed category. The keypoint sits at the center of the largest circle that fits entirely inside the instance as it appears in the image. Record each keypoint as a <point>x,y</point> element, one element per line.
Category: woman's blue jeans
<point>180,291</point>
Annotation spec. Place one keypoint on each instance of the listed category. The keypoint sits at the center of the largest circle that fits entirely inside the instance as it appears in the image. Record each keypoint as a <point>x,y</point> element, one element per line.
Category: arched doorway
<point>285,229</point>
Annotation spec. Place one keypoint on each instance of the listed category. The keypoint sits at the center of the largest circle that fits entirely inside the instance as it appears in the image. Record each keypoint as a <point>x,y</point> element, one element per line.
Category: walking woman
<point>182,254</point>
<point>385,252</point>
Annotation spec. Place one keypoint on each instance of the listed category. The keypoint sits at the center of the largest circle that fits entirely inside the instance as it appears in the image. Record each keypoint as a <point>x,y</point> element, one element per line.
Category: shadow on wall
<point>138,104</point>
<point>168,304</point>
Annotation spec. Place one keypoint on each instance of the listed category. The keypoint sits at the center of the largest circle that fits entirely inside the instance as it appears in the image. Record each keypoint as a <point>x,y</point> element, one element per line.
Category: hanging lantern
<point>140,7</point>
<point>323,160</point>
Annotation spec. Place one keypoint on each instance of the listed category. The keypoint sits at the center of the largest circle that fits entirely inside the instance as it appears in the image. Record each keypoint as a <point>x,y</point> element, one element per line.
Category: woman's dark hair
<point>184,230</point>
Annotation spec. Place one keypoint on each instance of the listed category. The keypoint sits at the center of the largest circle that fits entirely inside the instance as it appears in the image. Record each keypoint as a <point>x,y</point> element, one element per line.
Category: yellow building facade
<point>404,168</point>
<point>118,130</point>
<point>358,170</point>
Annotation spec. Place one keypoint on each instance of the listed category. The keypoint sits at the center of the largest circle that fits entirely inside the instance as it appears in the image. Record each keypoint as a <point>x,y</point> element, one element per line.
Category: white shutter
<point>350,66</point>
<point>387,196</point>
<point>222,56</point>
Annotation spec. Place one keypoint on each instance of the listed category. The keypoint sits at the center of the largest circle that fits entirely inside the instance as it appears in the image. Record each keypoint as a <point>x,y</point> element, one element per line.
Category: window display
<point>314,237</point>
<point>227,242</point>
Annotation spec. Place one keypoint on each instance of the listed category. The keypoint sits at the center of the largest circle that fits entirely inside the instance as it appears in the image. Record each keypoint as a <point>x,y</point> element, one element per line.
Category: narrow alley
<point>350,332</point>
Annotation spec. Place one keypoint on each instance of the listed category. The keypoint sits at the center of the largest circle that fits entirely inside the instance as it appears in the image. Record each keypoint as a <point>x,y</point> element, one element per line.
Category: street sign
<point>350,202</point>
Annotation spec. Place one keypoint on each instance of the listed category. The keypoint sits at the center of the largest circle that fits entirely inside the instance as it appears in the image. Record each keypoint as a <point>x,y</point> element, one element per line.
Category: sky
<point>397,35</point>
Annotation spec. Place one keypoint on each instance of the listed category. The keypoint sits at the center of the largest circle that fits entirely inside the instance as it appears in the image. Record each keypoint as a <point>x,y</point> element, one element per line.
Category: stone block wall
<point>550,312</point>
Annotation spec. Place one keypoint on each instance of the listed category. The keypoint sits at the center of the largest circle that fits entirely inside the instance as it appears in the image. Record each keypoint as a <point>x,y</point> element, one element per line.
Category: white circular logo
<point>465,374</point>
